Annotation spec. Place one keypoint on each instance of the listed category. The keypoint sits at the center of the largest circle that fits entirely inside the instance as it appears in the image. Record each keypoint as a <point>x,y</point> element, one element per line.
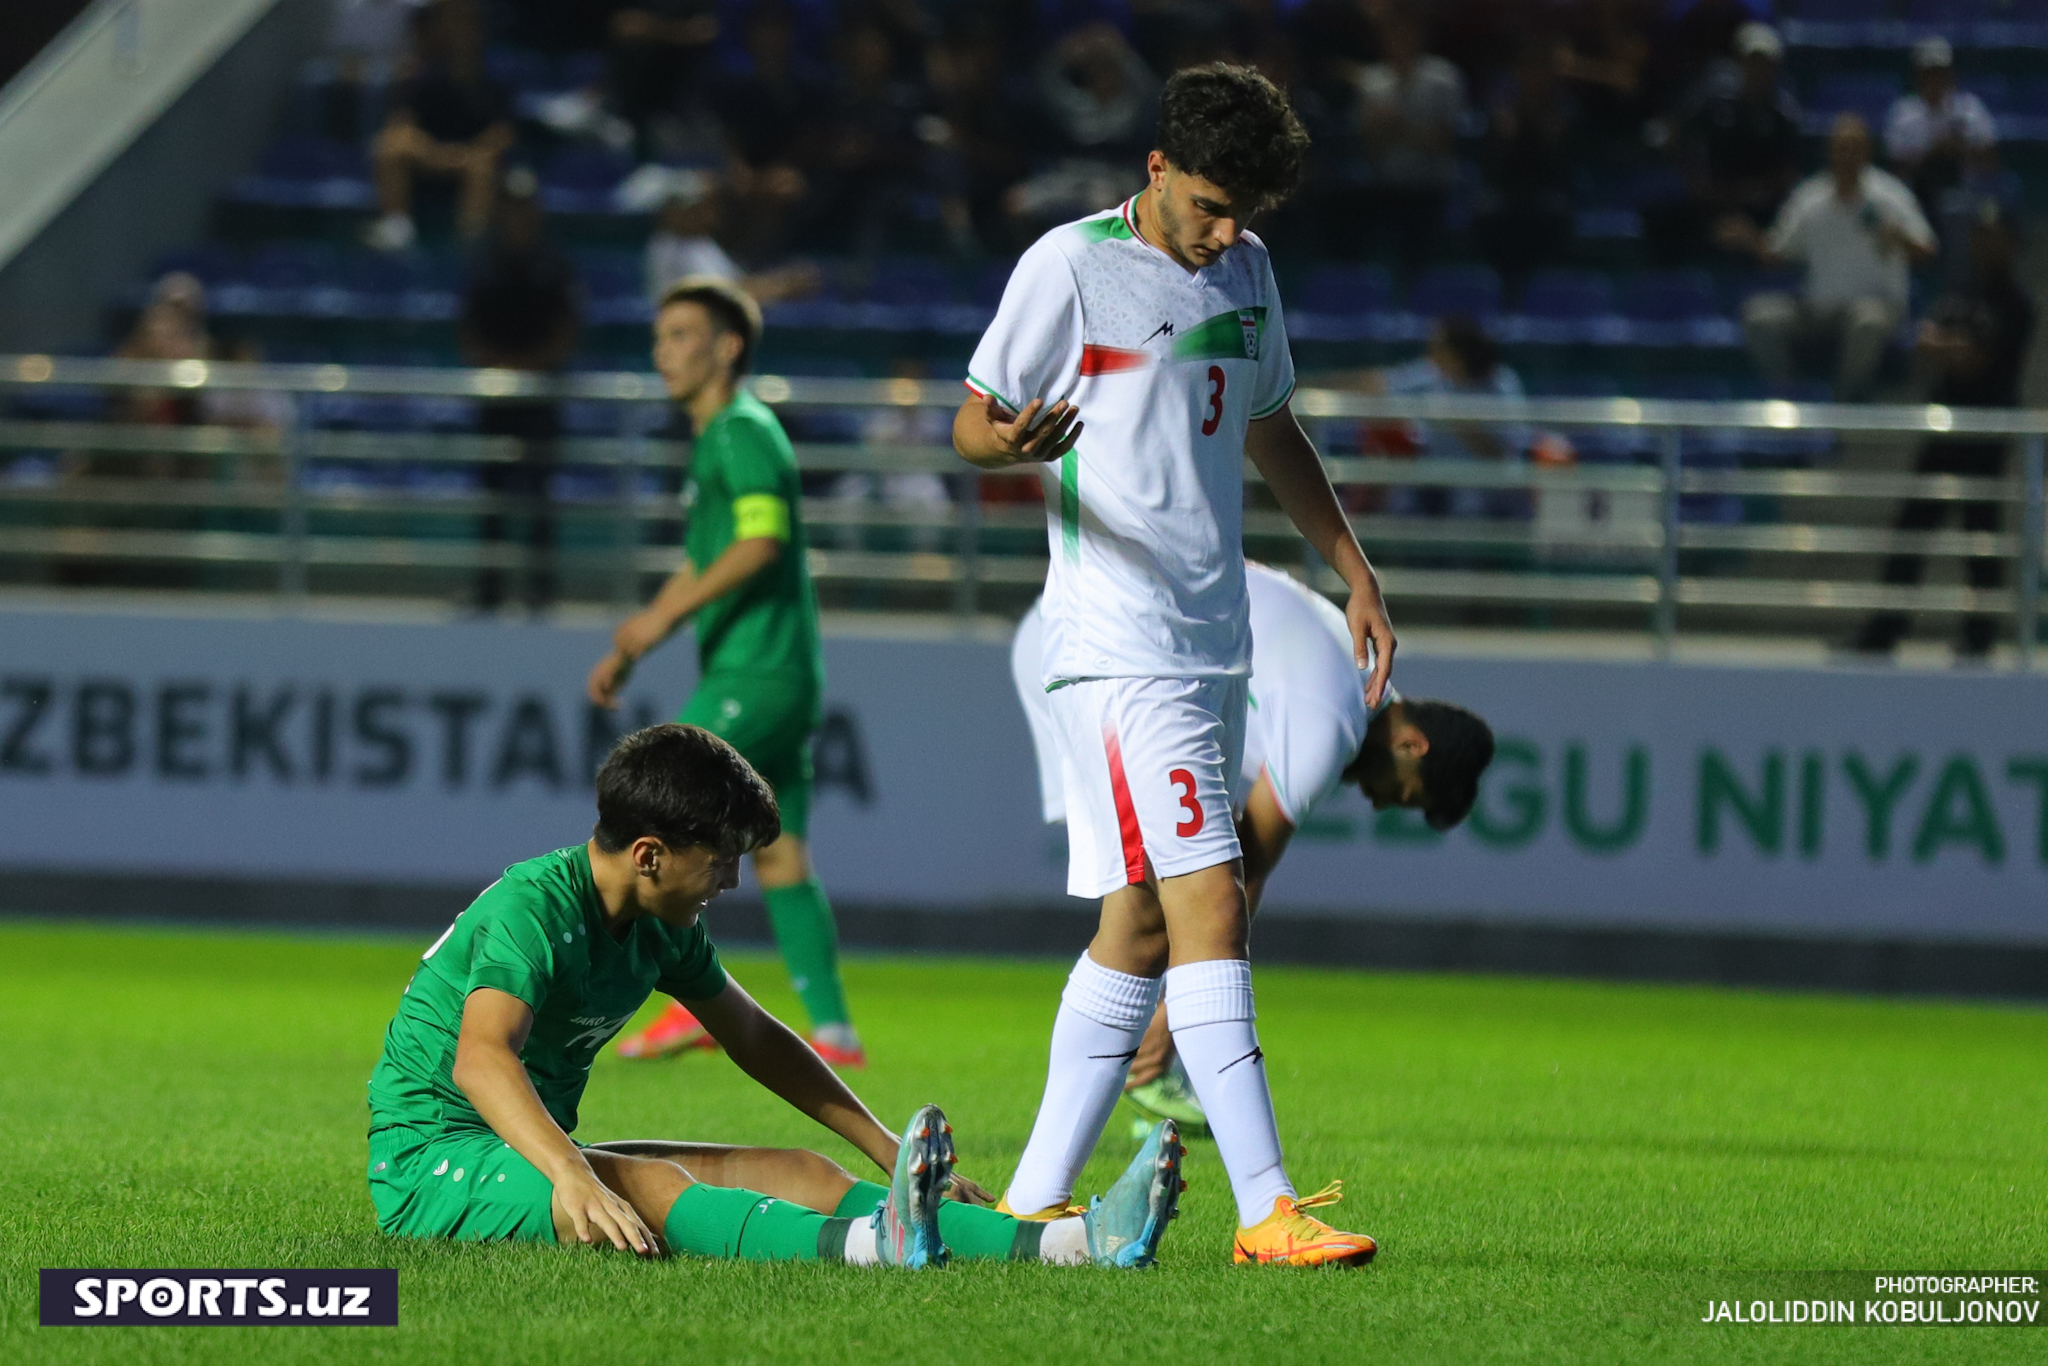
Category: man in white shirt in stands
<point>1309,732</point>
<point>1150,341</point>
<point>1930,133</point>
<point>1857,230</point>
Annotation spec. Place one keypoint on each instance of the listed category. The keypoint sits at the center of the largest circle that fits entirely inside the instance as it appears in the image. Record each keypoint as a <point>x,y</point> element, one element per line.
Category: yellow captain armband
<point>760,514</point>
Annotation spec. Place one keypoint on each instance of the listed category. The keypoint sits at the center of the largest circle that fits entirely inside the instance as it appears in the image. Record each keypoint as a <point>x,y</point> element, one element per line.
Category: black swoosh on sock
<point>1256,1055</point>
<point>1108,1057</point>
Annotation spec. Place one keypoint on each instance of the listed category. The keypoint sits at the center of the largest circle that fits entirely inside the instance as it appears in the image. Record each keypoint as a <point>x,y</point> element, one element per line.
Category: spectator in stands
<point>768,111</point>
<point>1931,134</point>
<point>366,42</point>
<point>171,326</point>
<point>685,242</point>
<point>1102,102</point>
<point>866,154</point>
<point>521,310</point>
<point>1975,342</point>
<point>447,120</point>
<point>1856,229</point>
<point>658,54</point>
<point>1409,106</point>
<point>1601,53</point>
<point>1690,41</point>
<point>980,135</point>
<point>1738,145</point>
<point>1525,221</point>
<point>1461,360</point>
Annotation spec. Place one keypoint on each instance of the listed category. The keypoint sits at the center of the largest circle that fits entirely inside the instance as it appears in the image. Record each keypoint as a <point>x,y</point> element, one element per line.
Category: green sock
<point>725,1221</point>
<point>809,940</point>
<point>969,1230</point>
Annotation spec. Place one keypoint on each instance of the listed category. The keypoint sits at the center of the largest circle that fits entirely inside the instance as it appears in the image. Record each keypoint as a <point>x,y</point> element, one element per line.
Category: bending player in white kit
<point>1308,733</point>
<point>1159,323</point>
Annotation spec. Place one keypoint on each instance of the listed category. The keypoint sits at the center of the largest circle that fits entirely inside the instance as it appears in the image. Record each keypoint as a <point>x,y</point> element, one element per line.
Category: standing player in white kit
<point>1308,734</point>
<point>1160,324</point>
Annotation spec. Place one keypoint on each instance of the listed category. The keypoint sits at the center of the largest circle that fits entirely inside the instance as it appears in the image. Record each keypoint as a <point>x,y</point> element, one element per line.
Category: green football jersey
<point>743,484</point>
<point>537,933</point>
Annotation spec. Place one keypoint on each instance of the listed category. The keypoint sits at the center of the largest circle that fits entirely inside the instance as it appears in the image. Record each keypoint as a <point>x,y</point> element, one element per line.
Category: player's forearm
<point>495,1082</point>
<point>786,1065</point>
<point>688,590</point>
<point>1288,461</point>
<point>771,1053</point>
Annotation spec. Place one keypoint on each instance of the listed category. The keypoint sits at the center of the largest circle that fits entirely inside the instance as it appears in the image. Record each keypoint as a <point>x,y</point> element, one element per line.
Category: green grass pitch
<point>1550,1167</point>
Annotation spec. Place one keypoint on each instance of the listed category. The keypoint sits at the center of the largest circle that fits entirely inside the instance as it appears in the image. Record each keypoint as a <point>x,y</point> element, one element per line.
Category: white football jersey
<point>1145,515</point>
<point>1307,717</point>
<point>1308,711</point>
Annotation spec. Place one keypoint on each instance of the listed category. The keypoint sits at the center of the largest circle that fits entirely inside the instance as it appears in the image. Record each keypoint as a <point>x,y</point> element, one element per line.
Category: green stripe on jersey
<point>1094,230</point>
<point>1070,506</point>
<point>1227,336</point>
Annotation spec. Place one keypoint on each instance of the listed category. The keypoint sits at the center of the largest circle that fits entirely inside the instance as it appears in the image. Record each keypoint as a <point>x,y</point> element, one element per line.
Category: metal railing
<point>297,505</point>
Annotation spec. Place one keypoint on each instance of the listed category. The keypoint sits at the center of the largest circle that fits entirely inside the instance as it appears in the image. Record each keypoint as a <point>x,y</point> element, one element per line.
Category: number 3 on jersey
<point>1185,781</point>
<point>1215,417</point>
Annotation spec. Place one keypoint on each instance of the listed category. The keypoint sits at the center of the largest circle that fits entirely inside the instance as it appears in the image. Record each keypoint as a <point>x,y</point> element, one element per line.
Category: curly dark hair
<point>1230,125</point>
<point>684,786</point>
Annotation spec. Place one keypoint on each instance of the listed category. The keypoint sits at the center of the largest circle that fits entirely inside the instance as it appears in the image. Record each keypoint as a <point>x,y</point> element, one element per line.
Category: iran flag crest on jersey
<point>1248,319</point>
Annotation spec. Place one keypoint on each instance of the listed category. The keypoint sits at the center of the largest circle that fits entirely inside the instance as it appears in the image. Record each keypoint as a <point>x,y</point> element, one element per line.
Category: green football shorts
<point>769,720</point>
<point>465,1183</point>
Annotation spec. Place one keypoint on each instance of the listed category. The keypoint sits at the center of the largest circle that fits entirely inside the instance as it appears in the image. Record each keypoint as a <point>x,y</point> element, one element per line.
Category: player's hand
<point>608,677</point>
<point>1016,437</point>
<point>1366,613</point>
<point>600,1215</point>
<point>968,1192</point>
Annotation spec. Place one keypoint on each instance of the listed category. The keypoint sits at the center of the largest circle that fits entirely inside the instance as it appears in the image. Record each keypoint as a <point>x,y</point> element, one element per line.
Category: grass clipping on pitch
<point>1550,1168</point>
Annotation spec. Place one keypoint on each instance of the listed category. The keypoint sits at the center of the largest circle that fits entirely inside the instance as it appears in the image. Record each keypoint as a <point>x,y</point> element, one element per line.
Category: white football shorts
<point>1149,774</point>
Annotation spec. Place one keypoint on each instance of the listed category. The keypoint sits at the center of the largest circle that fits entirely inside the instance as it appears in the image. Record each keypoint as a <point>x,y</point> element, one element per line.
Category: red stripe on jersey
<point>1109,360</point>
<point>1126,812</point>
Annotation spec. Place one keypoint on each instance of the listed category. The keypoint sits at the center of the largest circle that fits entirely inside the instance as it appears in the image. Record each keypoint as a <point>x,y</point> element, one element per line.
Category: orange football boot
<point>853,1059</point>
<point>1292,1238</point>
<point>677,1031</point>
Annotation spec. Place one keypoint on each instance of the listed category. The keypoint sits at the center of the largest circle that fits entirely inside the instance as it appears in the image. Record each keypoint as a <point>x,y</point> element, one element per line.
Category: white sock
<point>1065,1243</point>
<point>1101,1021</point>
<point>861,1243</point>
<point>1209,1009</point>
<point>838,1035</point>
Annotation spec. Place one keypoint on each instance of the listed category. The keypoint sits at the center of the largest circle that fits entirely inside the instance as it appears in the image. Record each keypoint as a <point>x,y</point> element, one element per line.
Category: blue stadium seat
<point>909,281</point>
<point>1347,289</point>
<point>1443,290</point>
<point>309,172</point>
<point>1677,308</point>
<point>580,179</point>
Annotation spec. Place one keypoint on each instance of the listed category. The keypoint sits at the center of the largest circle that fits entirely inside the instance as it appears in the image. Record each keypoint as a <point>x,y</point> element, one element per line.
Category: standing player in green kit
<point>745,582</point>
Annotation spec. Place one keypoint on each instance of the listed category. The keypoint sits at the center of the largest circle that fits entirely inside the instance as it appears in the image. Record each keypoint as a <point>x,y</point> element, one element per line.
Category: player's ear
<point>1408,741</point>
<point>648,855</point>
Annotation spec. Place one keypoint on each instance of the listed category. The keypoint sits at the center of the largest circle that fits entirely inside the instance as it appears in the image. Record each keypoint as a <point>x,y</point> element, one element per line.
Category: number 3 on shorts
<point>1185,781</point>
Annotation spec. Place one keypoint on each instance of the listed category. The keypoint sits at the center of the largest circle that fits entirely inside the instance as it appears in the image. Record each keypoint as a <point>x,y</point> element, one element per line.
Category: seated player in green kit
<point>475,1096</point>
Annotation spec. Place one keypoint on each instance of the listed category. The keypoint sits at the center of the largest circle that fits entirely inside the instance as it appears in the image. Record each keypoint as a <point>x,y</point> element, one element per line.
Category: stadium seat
<point>1566,306</point>
<point>1677,308</point>
<point>580,179</point>
<point>1444,290</point>
<point>1347,290</point>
